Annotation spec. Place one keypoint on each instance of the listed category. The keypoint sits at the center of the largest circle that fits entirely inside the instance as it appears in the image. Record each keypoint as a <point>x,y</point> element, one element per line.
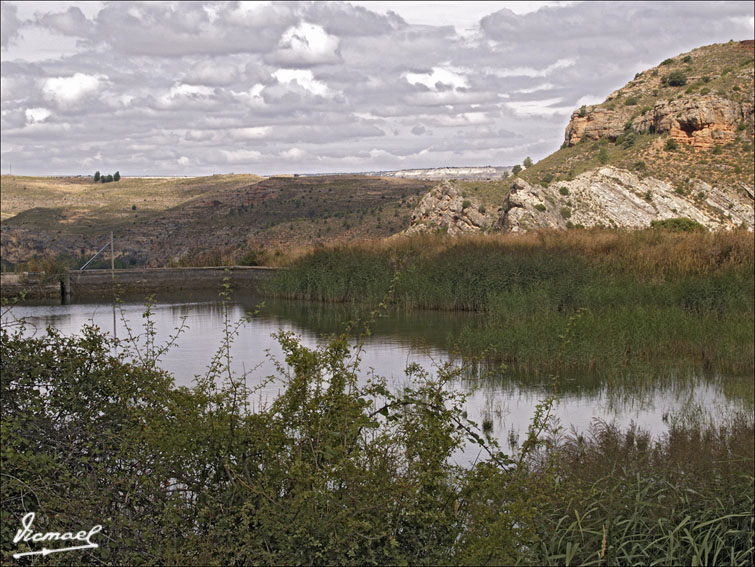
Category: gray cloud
<point>10,25</point>
<point>193,88</point>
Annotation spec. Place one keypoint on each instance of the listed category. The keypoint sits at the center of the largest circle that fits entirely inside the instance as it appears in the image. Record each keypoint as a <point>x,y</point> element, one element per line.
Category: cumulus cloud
<point>66,92</point>
<point>38,114</point>
<point>305,45</point>
<point>303,78</point>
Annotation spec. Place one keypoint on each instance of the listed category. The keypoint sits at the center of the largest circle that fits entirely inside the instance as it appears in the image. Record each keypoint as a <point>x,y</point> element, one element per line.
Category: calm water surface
<point>398,339</point>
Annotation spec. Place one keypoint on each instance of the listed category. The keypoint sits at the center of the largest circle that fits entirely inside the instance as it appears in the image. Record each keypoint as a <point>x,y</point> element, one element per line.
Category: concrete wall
<point>105,282</point>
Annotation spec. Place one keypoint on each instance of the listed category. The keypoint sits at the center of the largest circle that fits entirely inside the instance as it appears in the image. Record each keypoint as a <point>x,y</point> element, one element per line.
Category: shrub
<point>527,162</point>
<point>566,212</point>
<point>645,109</point>
<point>640,166</point>
<point>667,61</point>
<point>482,209</point>
<point>603,156</point>
<point>631,101</point>
<point>706,79</point>
<point>249,259</point>
<point>117,176</point>
<point>679,224</point>
<point>648,196</point>
<point>582,111</point>
<point>563,190</point>
<point>540,207</point>
<point>671,145</point>
<point>547,178</point>
<point>704,91</point>
<point>96,176</point>
<point>717,150</point>
<point>466,204</point>
<point>516,169</point>
<point>676,79</point>
<point>133,207</point>
<point>687,59</point>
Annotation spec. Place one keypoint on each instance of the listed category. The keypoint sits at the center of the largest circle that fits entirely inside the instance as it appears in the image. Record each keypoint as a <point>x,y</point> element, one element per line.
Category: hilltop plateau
<point>196,221</point>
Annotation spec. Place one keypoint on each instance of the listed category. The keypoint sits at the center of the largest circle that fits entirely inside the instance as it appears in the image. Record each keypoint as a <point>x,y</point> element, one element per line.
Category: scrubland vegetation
<point>339,471</point>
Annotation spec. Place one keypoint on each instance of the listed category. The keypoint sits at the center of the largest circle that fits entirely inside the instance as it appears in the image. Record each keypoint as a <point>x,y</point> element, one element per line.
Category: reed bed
<point>621,498</point>
<point>650,296</point>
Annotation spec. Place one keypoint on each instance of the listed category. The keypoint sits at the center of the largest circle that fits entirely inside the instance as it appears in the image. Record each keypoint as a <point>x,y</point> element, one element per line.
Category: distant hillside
<point>676,141</point>
<point>204,220</point>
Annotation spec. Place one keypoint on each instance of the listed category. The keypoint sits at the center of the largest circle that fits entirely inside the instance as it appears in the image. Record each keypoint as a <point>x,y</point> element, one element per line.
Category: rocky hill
<point>676,141</point>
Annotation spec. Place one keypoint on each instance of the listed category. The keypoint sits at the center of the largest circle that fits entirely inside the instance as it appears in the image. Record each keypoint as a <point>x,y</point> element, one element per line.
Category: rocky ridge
<point>446,208</point>
<point>617,198</point>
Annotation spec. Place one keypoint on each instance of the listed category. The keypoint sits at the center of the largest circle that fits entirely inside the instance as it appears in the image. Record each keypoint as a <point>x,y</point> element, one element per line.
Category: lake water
<point>398,339</point>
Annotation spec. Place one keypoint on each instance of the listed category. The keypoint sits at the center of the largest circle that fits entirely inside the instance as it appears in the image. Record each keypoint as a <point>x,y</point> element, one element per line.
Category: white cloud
<point>538,107</point>
<point>531,71</point>
<point>536,88</point>
<point>306,44</point>
<point>183,160</point>
<point>38,114</point>
<point>304,78</point>
<point>252,133</point>
<point>293,153</point>
<point>67,91</point>
<point>438,75</point>
<point>238,156</point>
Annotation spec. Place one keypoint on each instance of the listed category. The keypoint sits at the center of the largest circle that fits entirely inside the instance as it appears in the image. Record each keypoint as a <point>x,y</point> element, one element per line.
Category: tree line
<point>106,178</point>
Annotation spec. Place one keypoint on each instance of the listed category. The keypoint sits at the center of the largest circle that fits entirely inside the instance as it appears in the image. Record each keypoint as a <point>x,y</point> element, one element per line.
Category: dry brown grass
<point>652,254</point>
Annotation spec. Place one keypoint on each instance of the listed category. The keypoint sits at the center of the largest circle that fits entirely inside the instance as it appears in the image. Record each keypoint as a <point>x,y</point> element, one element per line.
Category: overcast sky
<point>191,88</point>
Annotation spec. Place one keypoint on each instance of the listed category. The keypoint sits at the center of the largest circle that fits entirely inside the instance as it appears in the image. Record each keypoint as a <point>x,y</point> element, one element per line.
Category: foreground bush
<point>337,470</point>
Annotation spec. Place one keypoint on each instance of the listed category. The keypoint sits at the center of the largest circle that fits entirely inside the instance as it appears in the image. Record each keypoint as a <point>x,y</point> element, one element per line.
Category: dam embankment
<point>97,283</point>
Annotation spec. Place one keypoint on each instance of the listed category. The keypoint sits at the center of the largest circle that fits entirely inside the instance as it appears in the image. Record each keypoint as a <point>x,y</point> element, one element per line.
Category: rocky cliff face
<point>616,198</point>
<point>700,122</point>
<point>446,208</point>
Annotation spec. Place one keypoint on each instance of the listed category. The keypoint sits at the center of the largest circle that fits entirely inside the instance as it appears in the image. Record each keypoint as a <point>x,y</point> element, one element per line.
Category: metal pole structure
<point>112,256</point>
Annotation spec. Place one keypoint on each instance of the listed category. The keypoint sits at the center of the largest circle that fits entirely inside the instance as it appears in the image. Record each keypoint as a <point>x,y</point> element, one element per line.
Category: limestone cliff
<point>616,198</point>
<point>446,208</point>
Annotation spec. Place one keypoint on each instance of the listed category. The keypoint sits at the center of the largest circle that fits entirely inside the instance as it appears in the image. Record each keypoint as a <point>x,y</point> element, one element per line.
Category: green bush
<point>516,169</point>
<point>603,156</point>
<point>676,79</point>
<point>671,145</point>
<point>466,204</point>
<point>631,101</point>
<point>540,207</point>
<point>563,190</point>
<point>566,212</point>
<point>680,224</point>
<point>667,61</point>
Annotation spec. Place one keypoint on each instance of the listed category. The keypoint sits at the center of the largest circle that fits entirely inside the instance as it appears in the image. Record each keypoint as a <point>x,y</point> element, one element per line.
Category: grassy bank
<point>649,296</point>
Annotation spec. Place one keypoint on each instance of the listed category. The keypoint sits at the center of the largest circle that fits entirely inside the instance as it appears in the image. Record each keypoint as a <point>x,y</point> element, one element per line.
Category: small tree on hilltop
<point>527,162</point>
<point>117,176</point>
<point>516,169</point>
